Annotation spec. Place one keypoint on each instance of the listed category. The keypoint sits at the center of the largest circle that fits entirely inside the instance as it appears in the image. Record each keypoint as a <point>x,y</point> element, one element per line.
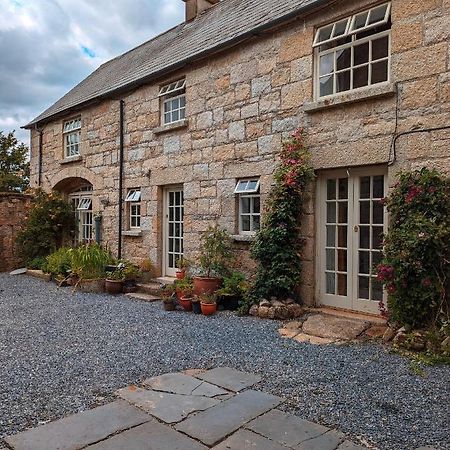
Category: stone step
<point>216,423</point>
<point>144,297</point>
<point>149,288</point>
<point>165,280</point>
<point>80,430</point>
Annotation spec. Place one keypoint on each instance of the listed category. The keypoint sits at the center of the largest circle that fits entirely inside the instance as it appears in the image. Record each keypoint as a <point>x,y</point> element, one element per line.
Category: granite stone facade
<point>240,105</point>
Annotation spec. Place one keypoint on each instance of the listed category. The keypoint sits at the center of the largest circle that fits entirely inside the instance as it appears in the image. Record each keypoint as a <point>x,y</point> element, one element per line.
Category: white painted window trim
<point>85,204</point>
<point>135,215</point>
<point>172,111</point>
<point>134,195</point>
<point>173,87</point>
<point>247,189</point>
<point>355,42</point>
<point>250,214</point>
<point>72,137</point>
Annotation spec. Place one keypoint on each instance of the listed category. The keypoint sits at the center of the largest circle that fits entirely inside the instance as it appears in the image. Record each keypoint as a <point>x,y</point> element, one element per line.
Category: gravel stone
<point>61,353</point>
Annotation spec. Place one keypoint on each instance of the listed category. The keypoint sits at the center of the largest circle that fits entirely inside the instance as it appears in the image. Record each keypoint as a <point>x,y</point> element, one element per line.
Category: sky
<point>48,46</point>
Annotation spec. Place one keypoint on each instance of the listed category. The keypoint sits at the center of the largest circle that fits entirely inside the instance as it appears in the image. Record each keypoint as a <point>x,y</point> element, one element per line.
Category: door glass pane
<point>343,188</point>
<point>342,236</point>
<point>364,237</point>
<point>364,262</point>
<point>378,187</point>
<point>377,239</point>
<point>343,212</point>
<point>330,283</point>
<point>331,212</point>
<point>331,236</point>
<point>377,290</point>
<point>364,187</point>
<point>364,212</point>
<point>342,260</point>
<point>331,256</point>
<point>363,287</point>
<point>331,189</point>
<point>342,284</point>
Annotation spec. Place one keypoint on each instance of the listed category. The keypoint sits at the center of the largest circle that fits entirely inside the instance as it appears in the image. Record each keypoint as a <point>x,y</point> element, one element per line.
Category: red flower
<point>391,288</point>
<point>426,282</point>
<point>413,192</point>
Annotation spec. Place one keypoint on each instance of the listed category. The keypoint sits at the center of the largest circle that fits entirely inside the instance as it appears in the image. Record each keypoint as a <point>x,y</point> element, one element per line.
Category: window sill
<point>132,233</point>
<point>71,159</point>
<point>243,237</point>
<point>384,90</point>
<point>172,127</point>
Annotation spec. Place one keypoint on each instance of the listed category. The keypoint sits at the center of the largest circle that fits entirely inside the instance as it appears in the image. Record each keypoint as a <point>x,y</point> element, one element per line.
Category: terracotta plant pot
<point>186,303</point>
<point>206,285</point>
<point>113,287</point>
<point>208,309</point>
<point>181,274</point>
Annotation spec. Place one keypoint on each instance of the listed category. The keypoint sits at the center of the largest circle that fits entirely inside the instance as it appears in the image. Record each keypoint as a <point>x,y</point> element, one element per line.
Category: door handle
<point>356,228</point>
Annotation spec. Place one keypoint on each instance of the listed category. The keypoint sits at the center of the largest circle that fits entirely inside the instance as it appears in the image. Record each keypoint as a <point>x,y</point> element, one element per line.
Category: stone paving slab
<point>169,408</point>
<point>247,440</point>
<point>150,436</point>
<point>213,425</point>
<point>332,327</point>
<point>79,430</point>
<point>347,445</point>
<point>178,383</point>
<point>231,379</point>
<point>328,441</point>
<point>286,429</point>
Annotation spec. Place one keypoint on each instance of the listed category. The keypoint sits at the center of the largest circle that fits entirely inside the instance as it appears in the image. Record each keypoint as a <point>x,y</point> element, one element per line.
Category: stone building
<point>194,119</point>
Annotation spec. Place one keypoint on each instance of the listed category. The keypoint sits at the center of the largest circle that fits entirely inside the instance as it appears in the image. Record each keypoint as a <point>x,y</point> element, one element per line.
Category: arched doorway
<point>79,193</point>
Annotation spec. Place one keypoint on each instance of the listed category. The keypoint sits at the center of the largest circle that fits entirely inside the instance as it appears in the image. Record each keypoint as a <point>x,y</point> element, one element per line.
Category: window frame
<point>68,132</point>
<point>250,214</point>
<point>247,190</point>
<point>351,45</point>
<point>168,93</point>
<point>133,199</point>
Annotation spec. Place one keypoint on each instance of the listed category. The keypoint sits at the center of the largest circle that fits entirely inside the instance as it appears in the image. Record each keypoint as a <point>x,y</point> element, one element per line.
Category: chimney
<point>196,7</point>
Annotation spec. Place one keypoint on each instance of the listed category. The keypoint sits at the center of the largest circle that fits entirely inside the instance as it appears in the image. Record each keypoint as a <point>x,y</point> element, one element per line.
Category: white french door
<point>173,229</point>
<point>351,223</point>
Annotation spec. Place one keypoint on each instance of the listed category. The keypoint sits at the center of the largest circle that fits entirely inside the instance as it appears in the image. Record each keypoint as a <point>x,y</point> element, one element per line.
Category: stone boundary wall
<point>13,213</point>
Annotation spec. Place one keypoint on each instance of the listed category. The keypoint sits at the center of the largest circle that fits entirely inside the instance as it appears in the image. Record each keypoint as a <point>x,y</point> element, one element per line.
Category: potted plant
<point>167,295</point>
<point>147,270</point>
<point>131,274</point>
<point>182,266</point>
<point>208,304</point>
<point>114,281</point>
<point>215,253</point>
<point>196,307</point>
<point>186,299</point>
<point>233,290</point>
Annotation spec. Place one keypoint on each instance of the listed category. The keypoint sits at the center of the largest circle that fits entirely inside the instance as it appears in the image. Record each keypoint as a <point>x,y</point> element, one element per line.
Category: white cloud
<point>48,46</point>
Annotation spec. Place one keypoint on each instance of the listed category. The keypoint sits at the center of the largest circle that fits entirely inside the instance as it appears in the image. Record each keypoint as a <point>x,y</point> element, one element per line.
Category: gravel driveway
<point>61,353</point>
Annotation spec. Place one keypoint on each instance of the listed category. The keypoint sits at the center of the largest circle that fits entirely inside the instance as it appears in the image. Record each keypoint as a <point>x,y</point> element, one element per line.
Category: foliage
<point>185,287</point>
<point>59,263</point>
<point>182,263</point>
<point>116,275</point>
<point>416,253</point>
<point>50,222</point>
<point>39,263</point>
<point>14,167</point>
<point>130,270</point>
<point>167,293</point>
<point>89,261</point>
<point>235,284</point>
<point>208,299</point>
<point>278,245</point>
<point>215,251</point>
<point>146,266</point>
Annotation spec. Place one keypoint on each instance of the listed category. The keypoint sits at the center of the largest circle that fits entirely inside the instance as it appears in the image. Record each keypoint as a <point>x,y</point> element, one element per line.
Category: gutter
<point>121,171</point>
<point>201,55</point>
<point>40,153</point>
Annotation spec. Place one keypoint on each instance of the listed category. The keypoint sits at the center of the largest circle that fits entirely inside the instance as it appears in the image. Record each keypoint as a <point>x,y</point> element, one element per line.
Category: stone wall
<point>240,105</point>
<point>13,213</point>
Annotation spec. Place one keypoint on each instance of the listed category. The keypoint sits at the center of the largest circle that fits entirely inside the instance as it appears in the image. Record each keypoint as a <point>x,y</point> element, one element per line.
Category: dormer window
<point>72,137</point>
<point>353,53</point>
<point>173,102</point>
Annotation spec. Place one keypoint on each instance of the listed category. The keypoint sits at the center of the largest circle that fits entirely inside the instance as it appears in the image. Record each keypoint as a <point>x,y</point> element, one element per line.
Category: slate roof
<point>226,23</point>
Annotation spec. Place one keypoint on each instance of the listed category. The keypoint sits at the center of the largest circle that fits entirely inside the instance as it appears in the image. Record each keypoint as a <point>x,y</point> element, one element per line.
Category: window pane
<point>256,205</point>
<point>326,86</point>
<point>246,223</point>
<point>331,189</point>
<point>363,291</point>
<point>327,64</point>
<point>360,20</point>
<point>245,205</point>
<point>380,48</point>
<point>331,255</point>
<point>377,14</point>
<point>376,259</point>
<point>342,284</point>
<point>331,212</point>
<point>343,212</point>
<point>331,236</point>
<point>252,185</point>
<point>343,58</point>
<point>340,28</point>
<point>343,81</point>
<point>361,77</point>
<point>342,260</point>
<point>364,187</point>
<point>343,188</point>
<point>378,212</point>
<point>182,114</point>
<point>256,223</point>
<point>342,236</point>
<point>166,106</point>
<point>377,237</point>
<point>182,102</point>
<point>175,116</point>
<point>364,262</point>
<point>330,283</point>
<point>364,211</point>
<point>378,186</point>
<point>325,33</point>
<point>379,72</point>
<point>361,54</point>
<point>364,237</point>
<point>377,290</point>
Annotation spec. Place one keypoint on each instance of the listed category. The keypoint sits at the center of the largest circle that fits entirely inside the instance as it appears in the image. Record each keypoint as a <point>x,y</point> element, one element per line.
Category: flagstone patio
<point>213,409</point>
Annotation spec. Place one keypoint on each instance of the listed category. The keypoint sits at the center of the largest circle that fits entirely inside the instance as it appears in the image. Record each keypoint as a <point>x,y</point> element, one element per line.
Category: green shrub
<point>278,244</point>
<point>51,221</point>
<point>89,261</point>
<point>215,251</point>
<point>416,254</point>
<point>39,263</point>
<point>59,262</point>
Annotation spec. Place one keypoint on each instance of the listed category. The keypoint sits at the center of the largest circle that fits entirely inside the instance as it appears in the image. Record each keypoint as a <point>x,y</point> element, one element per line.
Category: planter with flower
<point>215,254</point>
<point>114,281</point>
<point>208,304</point>
<point>168,298</point>
<point>182,267</point>
<point>233,291</point>
<point>184,290</point>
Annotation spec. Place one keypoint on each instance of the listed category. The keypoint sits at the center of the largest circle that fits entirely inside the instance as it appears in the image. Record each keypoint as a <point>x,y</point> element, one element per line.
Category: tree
<point>14,167</point>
